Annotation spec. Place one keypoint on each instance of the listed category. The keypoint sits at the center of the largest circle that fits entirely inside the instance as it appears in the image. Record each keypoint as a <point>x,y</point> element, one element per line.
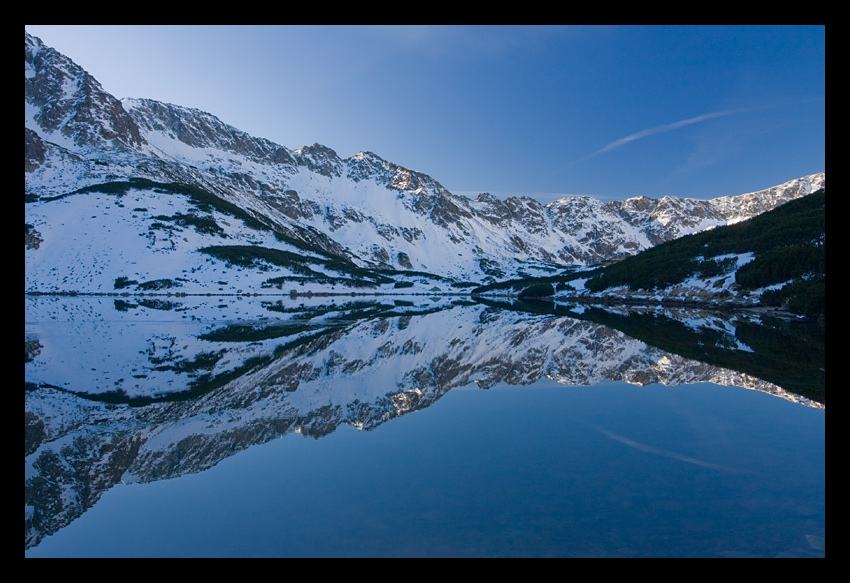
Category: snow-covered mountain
<point>136,195</point>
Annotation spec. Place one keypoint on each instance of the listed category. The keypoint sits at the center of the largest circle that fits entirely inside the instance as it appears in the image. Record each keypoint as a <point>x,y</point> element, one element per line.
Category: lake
<point>356,426</point>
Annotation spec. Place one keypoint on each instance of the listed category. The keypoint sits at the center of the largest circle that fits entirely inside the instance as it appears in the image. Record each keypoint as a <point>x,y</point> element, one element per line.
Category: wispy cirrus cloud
<point>662,129</point>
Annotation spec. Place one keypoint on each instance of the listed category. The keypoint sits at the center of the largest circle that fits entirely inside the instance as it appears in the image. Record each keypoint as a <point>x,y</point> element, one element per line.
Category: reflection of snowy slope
<point>145,347</point>
<point>313,354</point>
<point>270,368</point>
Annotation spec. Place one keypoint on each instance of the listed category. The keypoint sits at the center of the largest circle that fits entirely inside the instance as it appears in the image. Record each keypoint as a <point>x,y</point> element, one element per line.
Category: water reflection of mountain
<point>788,352</point>
<point>141,390</point>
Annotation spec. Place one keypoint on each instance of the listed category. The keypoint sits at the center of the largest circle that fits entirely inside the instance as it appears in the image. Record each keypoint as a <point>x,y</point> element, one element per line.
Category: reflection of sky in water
<point>580,467</point>
<point>545,470</point>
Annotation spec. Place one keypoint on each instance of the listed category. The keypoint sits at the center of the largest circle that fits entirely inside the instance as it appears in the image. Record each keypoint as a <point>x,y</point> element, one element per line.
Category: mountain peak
<point>67,106</point>
<point>319,159</point>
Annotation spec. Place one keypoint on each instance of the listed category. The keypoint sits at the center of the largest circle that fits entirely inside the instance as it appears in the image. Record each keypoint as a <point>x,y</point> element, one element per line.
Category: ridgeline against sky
<point>543,111</point>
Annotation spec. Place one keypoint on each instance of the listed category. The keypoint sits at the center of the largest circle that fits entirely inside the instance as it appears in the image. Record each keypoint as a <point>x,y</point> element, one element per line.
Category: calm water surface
<point>417,429</point>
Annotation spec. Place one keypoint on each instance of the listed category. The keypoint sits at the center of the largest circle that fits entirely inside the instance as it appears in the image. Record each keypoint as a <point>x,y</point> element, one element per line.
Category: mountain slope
<point>777,258</point>
<point>783,249</point>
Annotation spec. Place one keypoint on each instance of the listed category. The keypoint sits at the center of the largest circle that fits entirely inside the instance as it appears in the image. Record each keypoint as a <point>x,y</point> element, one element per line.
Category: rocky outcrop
<point>198,129</point>
<point>66,101</point>
<point>32,238</point>
<point>34,150</point>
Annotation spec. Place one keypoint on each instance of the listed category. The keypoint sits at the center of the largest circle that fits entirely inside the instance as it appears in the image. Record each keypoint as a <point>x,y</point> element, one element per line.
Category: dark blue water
<point>611,470</point>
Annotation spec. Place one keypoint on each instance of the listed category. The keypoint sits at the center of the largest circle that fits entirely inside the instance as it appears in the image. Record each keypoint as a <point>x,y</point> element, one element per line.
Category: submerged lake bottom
<point>543,469</point>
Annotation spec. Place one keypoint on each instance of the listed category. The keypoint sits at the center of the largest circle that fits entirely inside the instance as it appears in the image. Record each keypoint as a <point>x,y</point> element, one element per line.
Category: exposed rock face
<point>290,204</point>
<point>68,101</point>
<point>201,130</point>
<point>34,150</point>
<point>320,159</point>
<point>32,238</point>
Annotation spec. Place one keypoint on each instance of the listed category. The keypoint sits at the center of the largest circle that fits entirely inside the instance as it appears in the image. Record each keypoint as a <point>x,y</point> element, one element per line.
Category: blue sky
<point>545,111</point>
